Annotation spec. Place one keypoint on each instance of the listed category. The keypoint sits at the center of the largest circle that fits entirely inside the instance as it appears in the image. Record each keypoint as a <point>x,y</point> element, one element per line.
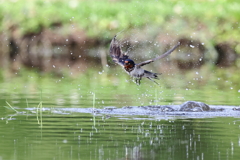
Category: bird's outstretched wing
<point>158,57</point>
<point>116,52</point>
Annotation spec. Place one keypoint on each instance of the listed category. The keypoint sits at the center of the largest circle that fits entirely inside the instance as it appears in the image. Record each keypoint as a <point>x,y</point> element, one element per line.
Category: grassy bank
<point>213,20</point>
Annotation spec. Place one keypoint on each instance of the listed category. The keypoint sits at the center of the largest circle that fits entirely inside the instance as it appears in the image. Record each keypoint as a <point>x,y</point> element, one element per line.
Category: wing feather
<point>116,52</point>
<point>158,57</point>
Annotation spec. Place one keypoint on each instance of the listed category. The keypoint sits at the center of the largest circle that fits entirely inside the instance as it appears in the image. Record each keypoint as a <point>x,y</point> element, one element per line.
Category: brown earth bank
<point>52,50</point>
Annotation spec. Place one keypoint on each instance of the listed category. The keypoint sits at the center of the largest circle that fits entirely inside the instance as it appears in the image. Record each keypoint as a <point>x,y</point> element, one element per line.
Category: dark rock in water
<point>236,109</point>
<point>152,108</point>
<point>143,107</point>
<point>127,107</point>
<point>110,108</point>
<point>167,109</point>
<point>217,109</point>
<point>197,109</point>
<point>192,106</point>
<point>159,108</point>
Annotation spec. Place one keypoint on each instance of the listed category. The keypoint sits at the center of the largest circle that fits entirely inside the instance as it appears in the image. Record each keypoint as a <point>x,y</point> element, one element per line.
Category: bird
<point>133,69</point>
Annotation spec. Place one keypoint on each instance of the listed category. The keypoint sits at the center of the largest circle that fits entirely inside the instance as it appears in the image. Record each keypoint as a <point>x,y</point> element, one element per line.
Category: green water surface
<point>33,131</point>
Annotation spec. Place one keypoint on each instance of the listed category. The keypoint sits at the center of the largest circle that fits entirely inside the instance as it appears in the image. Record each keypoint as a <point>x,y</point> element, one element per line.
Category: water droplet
<point>192,46</point>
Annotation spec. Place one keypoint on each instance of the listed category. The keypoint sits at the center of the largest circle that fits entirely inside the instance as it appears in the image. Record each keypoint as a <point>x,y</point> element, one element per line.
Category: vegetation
<point>10,107</point>
<point>215,20</point>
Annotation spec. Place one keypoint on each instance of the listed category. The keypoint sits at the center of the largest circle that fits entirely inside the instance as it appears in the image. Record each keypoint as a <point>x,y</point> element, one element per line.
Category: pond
<point>77,136</point>
<point>45,123</point>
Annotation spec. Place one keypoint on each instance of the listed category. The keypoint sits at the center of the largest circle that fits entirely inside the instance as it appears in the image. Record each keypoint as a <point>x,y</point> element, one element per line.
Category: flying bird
<point>134,70</point>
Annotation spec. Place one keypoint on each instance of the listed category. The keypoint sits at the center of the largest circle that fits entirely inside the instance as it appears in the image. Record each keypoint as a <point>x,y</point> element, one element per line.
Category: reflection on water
<point>74,135</point>
<point>82,136</point>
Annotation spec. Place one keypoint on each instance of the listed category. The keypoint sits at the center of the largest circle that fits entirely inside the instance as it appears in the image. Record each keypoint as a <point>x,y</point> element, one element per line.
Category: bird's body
<point>134,70</point>
<point>137,72</point>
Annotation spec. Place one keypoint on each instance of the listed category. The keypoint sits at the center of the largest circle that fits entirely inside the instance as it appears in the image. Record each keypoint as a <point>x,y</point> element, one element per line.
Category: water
<point>56,133</point>
<point>58,130</point>
<point>77,136</point>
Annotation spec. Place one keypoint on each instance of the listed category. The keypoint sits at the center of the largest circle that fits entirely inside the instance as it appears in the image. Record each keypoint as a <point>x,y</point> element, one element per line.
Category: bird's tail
<point>151,75</point>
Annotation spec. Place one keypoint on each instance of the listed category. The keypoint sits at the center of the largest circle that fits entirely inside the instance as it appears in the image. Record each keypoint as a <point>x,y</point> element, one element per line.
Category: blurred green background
<point>61,40</point>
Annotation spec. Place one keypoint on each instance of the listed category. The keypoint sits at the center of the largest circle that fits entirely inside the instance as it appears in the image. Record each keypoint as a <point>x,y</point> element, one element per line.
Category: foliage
<point>103,18</point>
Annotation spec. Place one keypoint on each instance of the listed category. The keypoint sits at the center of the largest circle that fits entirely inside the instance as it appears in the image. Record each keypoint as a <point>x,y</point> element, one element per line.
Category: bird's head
<point>128,63</point>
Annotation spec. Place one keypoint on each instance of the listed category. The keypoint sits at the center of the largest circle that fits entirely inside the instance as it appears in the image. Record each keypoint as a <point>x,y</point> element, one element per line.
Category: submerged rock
<point>236,109</point>
<point>164,108</point>
<point>110,108</point>
<point>188,109</point>
<point>167,109</point>
<point>192,106</point>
